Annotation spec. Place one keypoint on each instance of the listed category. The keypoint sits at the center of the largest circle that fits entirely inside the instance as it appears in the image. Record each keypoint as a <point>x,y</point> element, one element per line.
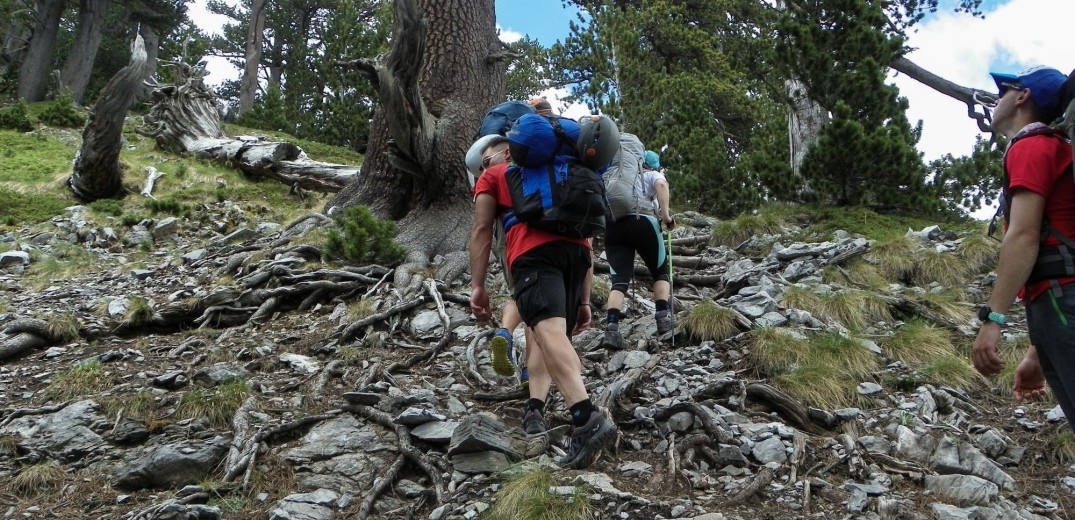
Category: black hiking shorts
<point>548,282</point>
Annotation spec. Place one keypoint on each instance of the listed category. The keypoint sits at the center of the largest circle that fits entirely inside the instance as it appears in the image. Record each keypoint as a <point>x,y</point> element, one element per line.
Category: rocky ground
<point>234,375</point>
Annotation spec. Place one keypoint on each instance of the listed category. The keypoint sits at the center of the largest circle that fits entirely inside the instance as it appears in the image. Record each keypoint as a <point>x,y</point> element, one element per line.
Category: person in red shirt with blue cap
<point>1037,256</point>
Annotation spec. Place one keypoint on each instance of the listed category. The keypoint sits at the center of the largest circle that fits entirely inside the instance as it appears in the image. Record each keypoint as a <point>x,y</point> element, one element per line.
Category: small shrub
<point>139,312</point>
<point>17,117</point>
<point>168,206</point>
<point>709,321</point>
<point>527,496</point>
<point>362,238</point>
<point>216,405</point>
<point>37,480</point>
<point>130,220</point>
<point>62,112</point>
<point>63,327</point>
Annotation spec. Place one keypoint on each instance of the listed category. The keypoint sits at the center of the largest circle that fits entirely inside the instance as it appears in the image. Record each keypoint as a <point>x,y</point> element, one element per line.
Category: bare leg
<point>560,359</point>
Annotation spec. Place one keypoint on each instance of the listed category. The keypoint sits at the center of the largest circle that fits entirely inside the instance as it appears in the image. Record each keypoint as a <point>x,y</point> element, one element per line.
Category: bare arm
<point>661,187</point>
<point>481,242</point>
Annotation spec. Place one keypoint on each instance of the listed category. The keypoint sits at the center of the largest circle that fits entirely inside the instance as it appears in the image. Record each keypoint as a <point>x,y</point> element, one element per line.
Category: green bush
<point>17,117</point>
<point>169,206</point>
<point>362,238</point>
<point>111,207</point>
<point>62,112</point>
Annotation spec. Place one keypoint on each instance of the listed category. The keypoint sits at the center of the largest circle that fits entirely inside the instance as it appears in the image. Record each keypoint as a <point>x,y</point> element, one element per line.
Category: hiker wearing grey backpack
<point>637,194</point>
<point>1037,255</point>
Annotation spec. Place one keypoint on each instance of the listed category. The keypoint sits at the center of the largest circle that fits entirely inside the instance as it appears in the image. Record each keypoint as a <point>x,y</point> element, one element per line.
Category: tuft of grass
<point>979,252</point>
<point>30,161</point>
<point>835,349</point>
<point>37,480</point>
<point>951,370</point>
<point>947,269</point>
<point>139,312</point>
<point>9,444</point>
<point>527,496</point>
<point>83,379</point>
<point>1062,445</point>
<point>360,309</point>
<point>852,308</point>
<point>63,327</point>
<point>775,351</point>
<point>352,355</point>
<point>216,405</point>
<point>709,321</point>
<point>140,405</point>
<point>895,257</point>
<point>67,260</point>
<point>731,233</point>
<point>950,303</point>
<point>867,274</point>
<point>918,342</point>
<point>820,384</point>
<point>599,292</point>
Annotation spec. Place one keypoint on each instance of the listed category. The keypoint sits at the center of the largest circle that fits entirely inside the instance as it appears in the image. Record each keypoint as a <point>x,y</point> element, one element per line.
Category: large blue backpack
<point>550,188</point>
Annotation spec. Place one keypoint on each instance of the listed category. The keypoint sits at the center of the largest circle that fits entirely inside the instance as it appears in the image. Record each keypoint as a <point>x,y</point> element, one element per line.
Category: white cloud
<point>964,49</point>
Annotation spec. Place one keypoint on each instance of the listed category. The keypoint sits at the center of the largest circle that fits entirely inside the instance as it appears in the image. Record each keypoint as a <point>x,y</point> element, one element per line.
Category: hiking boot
<point>587,441</point>
<point>534,422</point>
<point>664,322</point>
<point>502,353</point>
<point>613,340</point>
<point>524,377</point>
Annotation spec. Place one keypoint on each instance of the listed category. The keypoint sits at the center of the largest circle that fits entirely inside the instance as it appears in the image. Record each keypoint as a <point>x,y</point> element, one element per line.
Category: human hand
<point>479,303</point>
<point>668,221</point>
<point>582,321</point>
<point>985,357</point>
<point>1029,379</point>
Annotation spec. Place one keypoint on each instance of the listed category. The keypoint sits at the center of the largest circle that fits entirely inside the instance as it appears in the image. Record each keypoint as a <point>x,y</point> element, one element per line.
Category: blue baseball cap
<point>1044,84</point>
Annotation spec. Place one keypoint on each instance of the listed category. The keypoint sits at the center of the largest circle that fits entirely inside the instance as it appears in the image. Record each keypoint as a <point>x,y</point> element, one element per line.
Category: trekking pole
<point>671,293</point>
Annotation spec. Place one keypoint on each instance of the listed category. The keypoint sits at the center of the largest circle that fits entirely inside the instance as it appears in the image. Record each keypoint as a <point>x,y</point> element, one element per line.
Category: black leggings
<point>635,234</point>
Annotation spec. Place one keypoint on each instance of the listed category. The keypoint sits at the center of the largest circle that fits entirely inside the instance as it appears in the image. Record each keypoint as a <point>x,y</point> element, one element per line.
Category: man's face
<point>1005,108</point>
<point>494,155</point>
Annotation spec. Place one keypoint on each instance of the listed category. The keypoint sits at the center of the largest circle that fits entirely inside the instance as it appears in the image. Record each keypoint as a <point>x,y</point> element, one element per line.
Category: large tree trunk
<point>805,119</point>
<point>97,173</point>
<point>445,68</point>
<point>34,72</point>
<point>16,41</point>
<point>153,47</point>
<point>254,43</point>
<point>76,71</point>
<point>969,96</point>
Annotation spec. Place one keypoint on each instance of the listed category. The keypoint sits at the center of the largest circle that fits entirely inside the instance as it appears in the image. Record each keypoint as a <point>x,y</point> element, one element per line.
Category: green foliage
<point>866,155</point>
<point>168,206</point>
<point>268,112</point>
<point>17,117</point>
<point>29,160</point>
<point>527,496</point>
<point>362,238</point>
<point>110,207</point>
<point>689,80</point>
<point>23,208</point>
<point>731,233</point>
<point>62,112</point>
<point>527,75</point>
<point>968,183</point>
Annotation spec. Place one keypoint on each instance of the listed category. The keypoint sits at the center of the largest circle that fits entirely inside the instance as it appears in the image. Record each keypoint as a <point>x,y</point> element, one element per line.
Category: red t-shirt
<point>521,237</point>
<point>1041,164</point>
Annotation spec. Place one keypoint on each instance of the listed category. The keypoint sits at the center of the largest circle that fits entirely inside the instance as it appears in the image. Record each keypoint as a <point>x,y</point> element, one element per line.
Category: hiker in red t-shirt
<point>1039,196</point>
<point>552,275</point>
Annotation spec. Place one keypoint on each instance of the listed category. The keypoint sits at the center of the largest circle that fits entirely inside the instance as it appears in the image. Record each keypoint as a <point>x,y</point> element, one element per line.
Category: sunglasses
<point>1004,87</point>
<point>489,158</point>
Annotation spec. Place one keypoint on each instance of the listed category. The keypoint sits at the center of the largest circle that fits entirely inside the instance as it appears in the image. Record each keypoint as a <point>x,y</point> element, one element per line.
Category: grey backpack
<point>623,180</point>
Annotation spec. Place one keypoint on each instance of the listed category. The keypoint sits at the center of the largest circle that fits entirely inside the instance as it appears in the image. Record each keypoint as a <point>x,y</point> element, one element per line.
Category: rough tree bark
<point>254,42</point>
<point>97,173</point>
<point>805,120</point>
<point>76,70</point>
<point>153,45</point>
<point>16,39</point>
<point>445,68</point>
<point>968,96</point>
<point>34,72</point>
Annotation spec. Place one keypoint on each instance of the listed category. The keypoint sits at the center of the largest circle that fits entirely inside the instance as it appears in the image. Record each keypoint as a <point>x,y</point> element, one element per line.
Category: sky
<point>1014,35</point>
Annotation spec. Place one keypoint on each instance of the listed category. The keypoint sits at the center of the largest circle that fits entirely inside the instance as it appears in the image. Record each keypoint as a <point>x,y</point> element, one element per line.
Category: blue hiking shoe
<point>524,376</point>
<point>503,354</point>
